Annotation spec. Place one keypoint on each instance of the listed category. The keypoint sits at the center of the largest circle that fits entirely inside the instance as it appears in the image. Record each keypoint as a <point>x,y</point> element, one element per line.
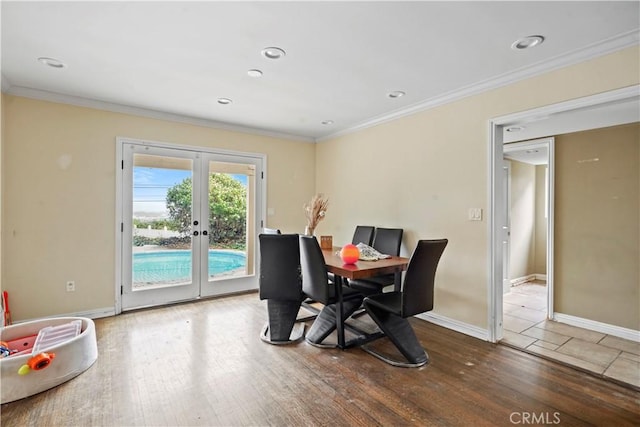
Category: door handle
<point>204,233</point>
<point>195,233</point>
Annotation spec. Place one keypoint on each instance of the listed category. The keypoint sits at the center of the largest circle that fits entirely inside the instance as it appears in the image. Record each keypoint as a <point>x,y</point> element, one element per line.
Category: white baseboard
<point>528,278</point>
<point>455,325</point>
<point>524,279</point>
<point>91,314</point>
<point>96,313</point>
<point>605,328</point>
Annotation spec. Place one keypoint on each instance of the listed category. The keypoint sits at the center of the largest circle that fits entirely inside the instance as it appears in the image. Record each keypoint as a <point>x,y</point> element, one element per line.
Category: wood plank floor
<point>203,363</point>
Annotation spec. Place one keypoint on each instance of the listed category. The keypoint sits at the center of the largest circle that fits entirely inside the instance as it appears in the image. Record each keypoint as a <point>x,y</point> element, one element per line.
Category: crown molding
<point>143,112</point>
<point>604,47</point>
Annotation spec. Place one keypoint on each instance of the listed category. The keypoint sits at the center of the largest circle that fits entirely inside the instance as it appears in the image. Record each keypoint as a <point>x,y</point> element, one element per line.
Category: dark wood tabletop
<point>362,269</point>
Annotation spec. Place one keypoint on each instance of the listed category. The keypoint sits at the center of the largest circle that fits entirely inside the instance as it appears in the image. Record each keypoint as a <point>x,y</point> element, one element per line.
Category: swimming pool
<point>175,266</point>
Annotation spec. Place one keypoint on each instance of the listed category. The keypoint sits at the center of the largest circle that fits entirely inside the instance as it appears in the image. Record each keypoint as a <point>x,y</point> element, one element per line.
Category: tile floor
<point>526,327</point>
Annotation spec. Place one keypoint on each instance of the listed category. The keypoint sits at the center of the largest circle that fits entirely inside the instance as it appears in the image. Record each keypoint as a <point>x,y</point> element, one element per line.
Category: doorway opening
<point>596,111</point>
<point>528,237</point>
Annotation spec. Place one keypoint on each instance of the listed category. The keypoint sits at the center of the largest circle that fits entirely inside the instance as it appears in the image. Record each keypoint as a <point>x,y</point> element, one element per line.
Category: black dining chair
<point>317,287</point>
<point>363,234</point>
<point>390,310</point>
<point>271,231</point>
<point>281,285</point>
<point>387,241</point>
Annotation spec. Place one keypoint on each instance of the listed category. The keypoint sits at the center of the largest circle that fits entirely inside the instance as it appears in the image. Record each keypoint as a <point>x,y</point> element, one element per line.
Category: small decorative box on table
<point>326,242</point>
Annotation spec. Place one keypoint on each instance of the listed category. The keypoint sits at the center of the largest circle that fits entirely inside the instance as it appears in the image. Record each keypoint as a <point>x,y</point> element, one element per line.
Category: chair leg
<point>307,304</point>
<point>325,323</point>
<point>401,334</point>
<point>280,328</point>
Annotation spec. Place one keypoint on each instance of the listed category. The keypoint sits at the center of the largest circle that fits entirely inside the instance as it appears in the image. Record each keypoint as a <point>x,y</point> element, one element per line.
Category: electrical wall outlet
<point>71,286</point>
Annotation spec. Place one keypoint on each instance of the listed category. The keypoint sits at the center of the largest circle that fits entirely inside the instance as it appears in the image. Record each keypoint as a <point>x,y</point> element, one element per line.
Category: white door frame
<point>549,144</point>
<point>261,203</point>
<point>506,228</point>
<point>496,201</point>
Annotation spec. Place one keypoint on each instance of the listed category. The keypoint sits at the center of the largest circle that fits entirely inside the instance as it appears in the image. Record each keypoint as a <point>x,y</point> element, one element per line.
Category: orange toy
<point>349,254</point>
<point>40,361</point>
<point>36,363</point>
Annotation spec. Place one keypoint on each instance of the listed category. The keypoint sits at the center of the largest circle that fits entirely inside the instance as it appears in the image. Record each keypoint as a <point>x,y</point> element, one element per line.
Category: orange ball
<point>349,254</point>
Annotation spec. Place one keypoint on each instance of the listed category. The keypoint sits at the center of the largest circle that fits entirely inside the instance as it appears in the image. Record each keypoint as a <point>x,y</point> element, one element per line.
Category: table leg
<point>339,310</point>
<point>397,281</point>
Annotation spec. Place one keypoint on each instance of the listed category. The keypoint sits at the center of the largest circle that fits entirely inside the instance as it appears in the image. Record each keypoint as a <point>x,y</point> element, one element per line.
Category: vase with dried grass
<point>315,212</point>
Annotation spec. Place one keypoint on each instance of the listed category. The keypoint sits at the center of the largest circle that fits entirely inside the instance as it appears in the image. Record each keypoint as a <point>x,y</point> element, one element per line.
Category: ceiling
<point>175,60</point>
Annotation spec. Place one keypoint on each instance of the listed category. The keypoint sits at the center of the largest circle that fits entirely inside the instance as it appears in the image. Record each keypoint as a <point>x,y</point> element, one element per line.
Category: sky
<point>150,187</point>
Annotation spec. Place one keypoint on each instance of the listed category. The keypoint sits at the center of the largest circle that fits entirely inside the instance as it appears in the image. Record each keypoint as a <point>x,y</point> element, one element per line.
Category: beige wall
<point>523,220</point>
<point>422,172</point>
<point>60,223</point>
<point>528,244</point>
<point>540,258</point>
<point>597,221</point>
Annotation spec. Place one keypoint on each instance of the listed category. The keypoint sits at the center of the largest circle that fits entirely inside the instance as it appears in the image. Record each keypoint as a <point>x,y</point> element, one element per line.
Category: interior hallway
<point>526,327</point>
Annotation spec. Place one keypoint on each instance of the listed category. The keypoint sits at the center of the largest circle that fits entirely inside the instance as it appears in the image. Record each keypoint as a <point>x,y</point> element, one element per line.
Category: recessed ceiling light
<point>396,94</point>
<point>527,42</point>
<point>52,62</point>
<point>273,52</point>
<point>224,101</point>
<point>514,128</point>
<point>327,122</point>
<point>254,73</point>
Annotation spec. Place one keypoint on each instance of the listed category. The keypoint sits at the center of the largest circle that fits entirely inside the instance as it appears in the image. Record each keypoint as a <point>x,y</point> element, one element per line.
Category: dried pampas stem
<point>315,211</point>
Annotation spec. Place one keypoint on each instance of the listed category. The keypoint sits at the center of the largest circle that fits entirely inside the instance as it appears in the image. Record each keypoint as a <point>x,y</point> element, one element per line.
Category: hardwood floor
<point>203,363</point>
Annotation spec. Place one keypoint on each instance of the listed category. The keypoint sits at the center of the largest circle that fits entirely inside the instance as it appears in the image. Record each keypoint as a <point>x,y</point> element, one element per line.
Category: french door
<point>189,223</point>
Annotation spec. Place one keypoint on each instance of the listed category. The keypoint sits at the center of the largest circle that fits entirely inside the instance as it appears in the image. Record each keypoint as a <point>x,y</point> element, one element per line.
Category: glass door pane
<point>161,218</point>
<point>231,214</point>
<point>164,262</point>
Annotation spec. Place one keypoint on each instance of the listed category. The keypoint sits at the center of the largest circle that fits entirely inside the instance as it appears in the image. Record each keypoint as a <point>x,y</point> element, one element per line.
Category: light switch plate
<point>475,214</point>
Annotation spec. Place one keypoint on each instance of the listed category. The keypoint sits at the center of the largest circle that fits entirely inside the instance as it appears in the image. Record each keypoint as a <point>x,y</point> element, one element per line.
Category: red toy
<point>5,308</point>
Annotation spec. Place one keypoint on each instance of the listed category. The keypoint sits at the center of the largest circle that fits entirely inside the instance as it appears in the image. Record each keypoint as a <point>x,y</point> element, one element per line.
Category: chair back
<point>280,276</point>
<point>363,234</point>
<point>271,231</point>
<point>418,286</point>
<point>314,270</point>
<point>388,240</point>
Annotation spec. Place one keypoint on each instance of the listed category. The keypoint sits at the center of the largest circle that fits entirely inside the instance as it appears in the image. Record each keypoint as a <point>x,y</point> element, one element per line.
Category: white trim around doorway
<point>496,201</point>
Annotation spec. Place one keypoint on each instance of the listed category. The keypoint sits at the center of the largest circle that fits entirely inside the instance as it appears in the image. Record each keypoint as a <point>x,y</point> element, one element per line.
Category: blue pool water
<point>175,266</point>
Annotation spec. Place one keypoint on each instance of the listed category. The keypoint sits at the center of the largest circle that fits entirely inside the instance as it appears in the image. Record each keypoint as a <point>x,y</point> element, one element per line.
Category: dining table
<point>359,270</point>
